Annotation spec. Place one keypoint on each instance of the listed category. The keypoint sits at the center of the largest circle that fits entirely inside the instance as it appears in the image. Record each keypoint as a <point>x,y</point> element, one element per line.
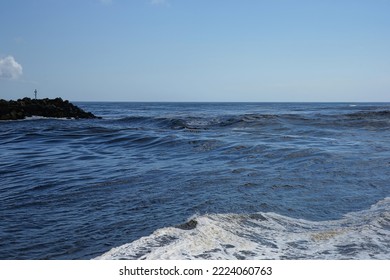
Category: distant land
<point>50,108</point>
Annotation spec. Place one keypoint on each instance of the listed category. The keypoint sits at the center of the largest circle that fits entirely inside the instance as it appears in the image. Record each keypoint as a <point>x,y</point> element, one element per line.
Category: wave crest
<point>358,235</point>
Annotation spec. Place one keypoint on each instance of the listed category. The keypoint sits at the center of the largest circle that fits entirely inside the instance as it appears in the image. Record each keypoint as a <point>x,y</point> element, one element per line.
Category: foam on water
<point>358,235</point>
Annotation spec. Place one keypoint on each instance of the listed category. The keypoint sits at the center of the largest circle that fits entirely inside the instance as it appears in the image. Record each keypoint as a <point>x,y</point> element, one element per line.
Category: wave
<point>194,123</point>
<point>358,235</point>
<point>258,120</point>
<point>370,114</point>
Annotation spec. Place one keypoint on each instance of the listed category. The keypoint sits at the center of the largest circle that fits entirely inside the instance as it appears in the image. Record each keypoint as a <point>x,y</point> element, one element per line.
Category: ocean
<point>198,181</point>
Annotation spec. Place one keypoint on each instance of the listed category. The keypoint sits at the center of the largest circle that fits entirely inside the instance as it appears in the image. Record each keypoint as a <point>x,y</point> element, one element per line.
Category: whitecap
<point>358,235</point>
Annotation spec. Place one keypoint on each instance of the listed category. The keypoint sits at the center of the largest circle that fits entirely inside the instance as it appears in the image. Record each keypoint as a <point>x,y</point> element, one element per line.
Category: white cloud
<point>9,68</point>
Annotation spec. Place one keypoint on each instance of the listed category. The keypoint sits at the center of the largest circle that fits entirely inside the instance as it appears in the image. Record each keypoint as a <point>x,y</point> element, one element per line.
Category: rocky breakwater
<point>50,108</point>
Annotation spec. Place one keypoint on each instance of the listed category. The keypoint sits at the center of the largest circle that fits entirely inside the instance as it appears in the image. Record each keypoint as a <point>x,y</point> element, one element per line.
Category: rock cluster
<point>51,108</point>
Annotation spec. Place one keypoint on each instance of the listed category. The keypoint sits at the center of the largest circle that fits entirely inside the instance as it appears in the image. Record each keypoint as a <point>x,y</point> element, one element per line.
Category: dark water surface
<point>306,174</point>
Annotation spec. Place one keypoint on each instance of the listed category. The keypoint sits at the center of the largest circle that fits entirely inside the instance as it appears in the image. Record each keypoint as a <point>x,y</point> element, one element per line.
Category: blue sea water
<point>255,180</point>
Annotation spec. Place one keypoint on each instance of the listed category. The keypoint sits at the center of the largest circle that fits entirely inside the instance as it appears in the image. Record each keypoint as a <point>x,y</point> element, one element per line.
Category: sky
<point>196,50</point>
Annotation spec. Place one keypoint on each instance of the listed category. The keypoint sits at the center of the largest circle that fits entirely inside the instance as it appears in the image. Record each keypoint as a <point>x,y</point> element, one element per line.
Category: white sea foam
<point>32,118</point>
<point>358,235</point>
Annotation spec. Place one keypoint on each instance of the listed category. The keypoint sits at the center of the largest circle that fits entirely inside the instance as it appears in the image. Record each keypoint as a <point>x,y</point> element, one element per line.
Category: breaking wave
<point>358,235</point>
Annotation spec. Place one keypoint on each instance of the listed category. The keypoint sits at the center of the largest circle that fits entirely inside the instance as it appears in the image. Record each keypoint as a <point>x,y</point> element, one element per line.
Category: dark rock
<point>52,108</point>
<point>191,224</point>
<point>257,217</point>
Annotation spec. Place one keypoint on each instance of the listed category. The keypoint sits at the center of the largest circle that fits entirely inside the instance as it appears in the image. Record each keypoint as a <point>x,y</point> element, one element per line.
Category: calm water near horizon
<point>258,180</point>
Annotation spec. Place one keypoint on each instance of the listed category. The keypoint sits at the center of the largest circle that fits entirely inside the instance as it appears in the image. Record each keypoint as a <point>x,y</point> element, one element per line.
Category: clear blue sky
<point>196,50</point>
